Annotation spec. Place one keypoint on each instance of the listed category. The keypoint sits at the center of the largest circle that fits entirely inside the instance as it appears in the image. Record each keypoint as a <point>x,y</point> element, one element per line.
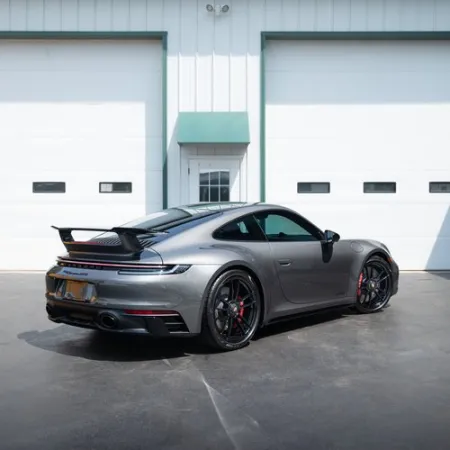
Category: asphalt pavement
<point>330,381</point>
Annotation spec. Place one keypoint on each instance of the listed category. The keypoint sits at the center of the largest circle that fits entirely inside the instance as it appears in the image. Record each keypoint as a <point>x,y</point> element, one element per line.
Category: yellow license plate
<point>79,290</point>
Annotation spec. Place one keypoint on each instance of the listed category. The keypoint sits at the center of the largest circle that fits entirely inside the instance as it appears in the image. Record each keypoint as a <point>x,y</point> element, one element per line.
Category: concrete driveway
<point>333,381</point>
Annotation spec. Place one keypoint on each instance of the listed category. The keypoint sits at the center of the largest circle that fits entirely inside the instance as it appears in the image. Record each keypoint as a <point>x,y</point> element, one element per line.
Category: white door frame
<point>209,153</point>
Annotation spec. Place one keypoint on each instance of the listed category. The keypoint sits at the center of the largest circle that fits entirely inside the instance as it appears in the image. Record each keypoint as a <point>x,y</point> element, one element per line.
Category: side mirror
<point>331,237</point>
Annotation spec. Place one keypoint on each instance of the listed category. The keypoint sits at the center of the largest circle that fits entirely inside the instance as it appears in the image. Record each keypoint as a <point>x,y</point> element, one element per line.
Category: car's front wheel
<point>232,311</point>
<point>374,286</point>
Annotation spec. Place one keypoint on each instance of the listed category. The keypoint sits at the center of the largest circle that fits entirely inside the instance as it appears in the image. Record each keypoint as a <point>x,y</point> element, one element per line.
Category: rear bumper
<point>127,301</point>
<point>116,320</point>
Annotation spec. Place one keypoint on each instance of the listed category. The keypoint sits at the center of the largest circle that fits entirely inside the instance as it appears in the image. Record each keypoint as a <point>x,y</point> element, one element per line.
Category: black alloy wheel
<point>374,286</point>
<point>232,311</point>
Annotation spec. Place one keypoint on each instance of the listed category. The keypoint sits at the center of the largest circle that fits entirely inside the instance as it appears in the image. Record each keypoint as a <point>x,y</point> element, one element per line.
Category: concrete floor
<point>335,381</point>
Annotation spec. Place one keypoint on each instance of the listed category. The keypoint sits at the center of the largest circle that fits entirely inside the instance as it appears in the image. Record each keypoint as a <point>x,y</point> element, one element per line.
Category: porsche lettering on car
<point>217,271</point>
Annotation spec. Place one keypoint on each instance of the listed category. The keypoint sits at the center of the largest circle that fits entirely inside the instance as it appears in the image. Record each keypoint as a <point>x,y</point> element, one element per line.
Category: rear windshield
<point>167,218</point>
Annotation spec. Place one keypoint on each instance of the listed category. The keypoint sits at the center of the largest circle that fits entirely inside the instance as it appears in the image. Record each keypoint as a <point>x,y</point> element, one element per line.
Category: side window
<point>243,229</point>
<point>280,228</point>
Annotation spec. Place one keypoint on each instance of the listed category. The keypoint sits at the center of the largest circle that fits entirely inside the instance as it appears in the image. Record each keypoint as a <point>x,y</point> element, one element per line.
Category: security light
<point>225,8</point>
<point>209,8</point>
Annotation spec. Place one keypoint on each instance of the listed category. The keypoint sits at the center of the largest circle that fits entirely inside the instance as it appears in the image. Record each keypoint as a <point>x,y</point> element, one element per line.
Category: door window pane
<point>224,178</point>
<point>279,228</point>
<point>214,186</point>
<point>214,194</point>
<point>204,194</point>
<point>204,179</point>
<point>224,194</point>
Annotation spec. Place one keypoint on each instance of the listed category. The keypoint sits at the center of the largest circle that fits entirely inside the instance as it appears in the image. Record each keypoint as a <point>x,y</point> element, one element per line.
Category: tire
<point>231,317</point>
<point>374,292</point>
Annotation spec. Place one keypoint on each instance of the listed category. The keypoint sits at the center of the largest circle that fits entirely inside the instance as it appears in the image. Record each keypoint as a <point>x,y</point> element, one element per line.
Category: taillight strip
<point>121,266</point>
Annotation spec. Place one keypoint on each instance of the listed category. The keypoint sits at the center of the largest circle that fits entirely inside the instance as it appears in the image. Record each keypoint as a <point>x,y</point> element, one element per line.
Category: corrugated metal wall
<point>214,60</point>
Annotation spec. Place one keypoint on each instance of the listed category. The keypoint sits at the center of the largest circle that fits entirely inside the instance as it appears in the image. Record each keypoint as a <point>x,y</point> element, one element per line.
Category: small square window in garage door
<point>214,181</point>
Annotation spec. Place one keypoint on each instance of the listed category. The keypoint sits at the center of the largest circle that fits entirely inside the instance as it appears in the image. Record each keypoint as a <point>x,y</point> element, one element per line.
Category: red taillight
<point>146,312</point>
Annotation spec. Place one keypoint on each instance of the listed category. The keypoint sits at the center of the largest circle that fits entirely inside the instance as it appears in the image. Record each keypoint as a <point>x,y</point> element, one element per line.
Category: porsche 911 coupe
<point>217,271</point>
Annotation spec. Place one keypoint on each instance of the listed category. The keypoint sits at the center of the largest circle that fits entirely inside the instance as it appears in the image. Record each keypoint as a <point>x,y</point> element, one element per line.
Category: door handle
<point>284,262</point>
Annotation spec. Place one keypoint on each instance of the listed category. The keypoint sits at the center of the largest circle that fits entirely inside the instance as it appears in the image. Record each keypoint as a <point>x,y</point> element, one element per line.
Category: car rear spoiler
<point>129,243</point>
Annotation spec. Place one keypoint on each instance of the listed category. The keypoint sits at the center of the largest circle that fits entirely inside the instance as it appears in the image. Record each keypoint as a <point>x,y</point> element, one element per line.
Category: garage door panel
<point>97,55</point>
<point>387,156</point>
<point>372,57</point>
<point>349,113</point>
<point>356,88</point>
<point>79,112</point>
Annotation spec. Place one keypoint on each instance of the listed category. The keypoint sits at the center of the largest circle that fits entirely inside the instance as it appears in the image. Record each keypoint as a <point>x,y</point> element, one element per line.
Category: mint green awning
<point>213,128</point>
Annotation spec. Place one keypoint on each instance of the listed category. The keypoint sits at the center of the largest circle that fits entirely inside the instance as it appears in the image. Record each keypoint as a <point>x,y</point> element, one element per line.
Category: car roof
<point>224,207</point>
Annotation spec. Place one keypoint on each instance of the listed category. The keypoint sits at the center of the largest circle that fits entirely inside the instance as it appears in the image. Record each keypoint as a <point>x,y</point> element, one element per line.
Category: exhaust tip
<point>108,321</point>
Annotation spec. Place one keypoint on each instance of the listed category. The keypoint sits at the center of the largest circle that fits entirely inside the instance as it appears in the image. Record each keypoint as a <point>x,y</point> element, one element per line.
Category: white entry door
<point>214,180</point>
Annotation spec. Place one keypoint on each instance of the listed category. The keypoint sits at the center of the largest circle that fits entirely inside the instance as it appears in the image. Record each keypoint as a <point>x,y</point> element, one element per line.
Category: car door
<point>306,272</point>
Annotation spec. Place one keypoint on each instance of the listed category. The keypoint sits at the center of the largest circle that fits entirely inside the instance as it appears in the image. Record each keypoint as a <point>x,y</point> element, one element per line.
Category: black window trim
<point>61,183</point>
<point>327,183</point>
<point>113,183</point>
<point>430,191</point>
<point>379,182</point>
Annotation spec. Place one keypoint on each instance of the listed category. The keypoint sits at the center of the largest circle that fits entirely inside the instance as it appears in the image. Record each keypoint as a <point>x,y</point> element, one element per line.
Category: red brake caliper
<point>358,292</point>
<point>241,310</point>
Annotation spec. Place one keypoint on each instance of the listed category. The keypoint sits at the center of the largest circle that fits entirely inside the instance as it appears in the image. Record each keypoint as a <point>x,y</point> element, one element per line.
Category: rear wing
<point>129,243</point>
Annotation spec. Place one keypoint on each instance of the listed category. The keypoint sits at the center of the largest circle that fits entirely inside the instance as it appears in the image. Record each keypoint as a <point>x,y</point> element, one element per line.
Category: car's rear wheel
<point>232,311</point>
<point>374,286</point>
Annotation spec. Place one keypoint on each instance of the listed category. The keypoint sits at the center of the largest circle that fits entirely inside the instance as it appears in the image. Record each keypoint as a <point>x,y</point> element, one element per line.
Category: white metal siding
<point>82,113</point>
<point>214,61</point>
<point>353,112</point>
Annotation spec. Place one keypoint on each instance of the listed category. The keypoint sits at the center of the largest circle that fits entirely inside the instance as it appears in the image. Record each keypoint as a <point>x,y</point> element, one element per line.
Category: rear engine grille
<point>145,241</point>
<point>87,266</point>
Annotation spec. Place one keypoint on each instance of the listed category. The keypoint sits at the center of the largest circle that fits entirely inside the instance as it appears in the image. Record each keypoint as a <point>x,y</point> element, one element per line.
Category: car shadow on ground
<point>103,346</point>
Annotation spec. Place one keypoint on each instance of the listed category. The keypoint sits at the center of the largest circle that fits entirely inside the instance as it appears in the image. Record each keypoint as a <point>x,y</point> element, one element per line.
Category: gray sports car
<point>220,271</point>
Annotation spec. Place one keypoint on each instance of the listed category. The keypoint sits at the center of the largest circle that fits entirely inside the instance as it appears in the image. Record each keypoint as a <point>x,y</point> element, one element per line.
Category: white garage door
<point>349,113</point>
<point>75,113</point>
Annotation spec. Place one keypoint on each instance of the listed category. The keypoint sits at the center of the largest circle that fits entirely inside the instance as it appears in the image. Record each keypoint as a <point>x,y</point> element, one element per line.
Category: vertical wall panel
<point>392,15</point>
<point>171,21</point>
<point>358,14</point>
<point>442,14</point>
<point>375,15</point>
<point>221,64</point>
<point>35,15</point>
<point>86,15</point>
<point>324,17</point>
<point>341,15</point>
<point>18,15</point>
<point>289,15</point>
<point>205,39</point>
<point>425,14</point>
<point>307,10</point>
<point>256,23</point>
<point>273,15</point>
<point>5,14</point>
<point>103,15</point>
<point>121,15</point>
<point>53,12</point>
<point>155,13</point>
<point>69,16</point>
<point>238,59</point>
<point>138,15</point>
<point>188,56</point>
<point>408,15</point>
